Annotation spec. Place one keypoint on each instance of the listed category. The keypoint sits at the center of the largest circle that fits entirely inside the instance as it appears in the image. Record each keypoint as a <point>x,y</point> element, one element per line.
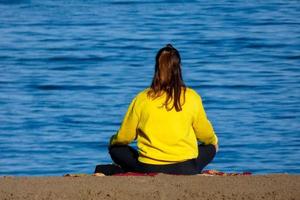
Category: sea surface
<point>69,69</point>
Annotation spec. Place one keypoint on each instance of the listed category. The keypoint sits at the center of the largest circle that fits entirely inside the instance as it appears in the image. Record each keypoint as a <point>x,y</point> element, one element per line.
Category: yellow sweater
<point>165,137</point>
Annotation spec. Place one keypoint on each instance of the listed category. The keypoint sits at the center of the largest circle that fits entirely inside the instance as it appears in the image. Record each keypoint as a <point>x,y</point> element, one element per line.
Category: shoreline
<point>271,186</point>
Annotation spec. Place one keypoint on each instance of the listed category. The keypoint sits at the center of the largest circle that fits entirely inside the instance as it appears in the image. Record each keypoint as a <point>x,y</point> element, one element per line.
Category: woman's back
<point>165,136</point>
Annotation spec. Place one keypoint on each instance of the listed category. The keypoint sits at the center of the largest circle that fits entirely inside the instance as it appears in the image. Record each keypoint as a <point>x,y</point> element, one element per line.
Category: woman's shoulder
<point>189,92</point>
<point>192,93</point>
<point>142,94</point>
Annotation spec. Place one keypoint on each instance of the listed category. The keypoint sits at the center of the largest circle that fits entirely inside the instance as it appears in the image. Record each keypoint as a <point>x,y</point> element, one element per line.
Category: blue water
<point>68,70</point>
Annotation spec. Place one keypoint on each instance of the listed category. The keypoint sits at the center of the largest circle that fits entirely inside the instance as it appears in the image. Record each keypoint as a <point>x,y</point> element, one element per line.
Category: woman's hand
<point>217,147</point>
<point>110,141</point>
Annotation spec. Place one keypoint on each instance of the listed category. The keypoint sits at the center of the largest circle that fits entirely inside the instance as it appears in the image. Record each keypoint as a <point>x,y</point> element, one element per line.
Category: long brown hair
<point>168,78</point>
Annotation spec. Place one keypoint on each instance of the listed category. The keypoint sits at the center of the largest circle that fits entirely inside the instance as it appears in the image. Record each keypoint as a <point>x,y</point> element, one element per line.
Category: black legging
<point>127,158</point>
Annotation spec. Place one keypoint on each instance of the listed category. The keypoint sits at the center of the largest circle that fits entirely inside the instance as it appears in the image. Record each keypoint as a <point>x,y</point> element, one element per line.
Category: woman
<point>167,120</point>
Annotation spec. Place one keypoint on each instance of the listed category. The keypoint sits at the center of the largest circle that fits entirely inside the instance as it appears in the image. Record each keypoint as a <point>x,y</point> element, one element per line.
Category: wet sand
<point>162,187</point>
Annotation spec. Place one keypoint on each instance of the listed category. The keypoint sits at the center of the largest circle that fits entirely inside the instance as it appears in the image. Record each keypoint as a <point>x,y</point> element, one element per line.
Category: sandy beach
<point>278,186</point>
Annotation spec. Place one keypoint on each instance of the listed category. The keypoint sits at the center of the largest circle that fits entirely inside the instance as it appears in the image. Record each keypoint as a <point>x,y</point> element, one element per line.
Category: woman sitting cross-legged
<point>167,120</point>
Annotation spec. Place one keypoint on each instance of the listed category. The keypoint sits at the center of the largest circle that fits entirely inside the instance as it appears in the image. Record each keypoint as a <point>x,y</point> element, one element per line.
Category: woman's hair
<point>168,78</point>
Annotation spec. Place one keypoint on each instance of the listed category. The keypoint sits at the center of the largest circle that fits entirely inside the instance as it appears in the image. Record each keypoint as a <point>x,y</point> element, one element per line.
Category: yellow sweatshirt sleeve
<point>127,131</point>
<point>202,126</point>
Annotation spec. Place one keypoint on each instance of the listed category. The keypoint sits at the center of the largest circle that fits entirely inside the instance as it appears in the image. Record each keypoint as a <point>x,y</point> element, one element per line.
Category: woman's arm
<point>127,131</point>
<point>202,126</point>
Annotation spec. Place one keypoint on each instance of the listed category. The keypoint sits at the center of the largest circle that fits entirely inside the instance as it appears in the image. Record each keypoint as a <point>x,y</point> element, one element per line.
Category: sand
<point>162,187</point>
